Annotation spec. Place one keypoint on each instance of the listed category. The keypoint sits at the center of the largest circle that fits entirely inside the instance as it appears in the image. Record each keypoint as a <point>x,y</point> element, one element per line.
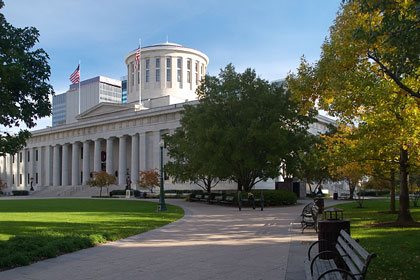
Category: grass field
<point>397,249</point>
<point>35,229</point>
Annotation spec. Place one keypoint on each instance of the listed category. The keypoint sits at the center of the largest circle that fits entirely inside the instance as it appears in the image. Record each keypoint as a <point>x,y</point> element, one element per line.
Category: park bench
<point>196,197</point>
<point>227,201</point>
<point>309,217</point>
<point>251,202</point>
<point>349,261</point>
<point>307,209</point>
<point>216,199</point>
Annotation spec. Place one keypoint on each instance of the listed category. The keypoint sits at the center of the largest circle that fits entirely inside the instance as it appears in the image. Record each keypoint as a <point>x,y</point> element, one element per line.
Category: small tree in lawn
<point>148,179</point>
<point>102,179</point>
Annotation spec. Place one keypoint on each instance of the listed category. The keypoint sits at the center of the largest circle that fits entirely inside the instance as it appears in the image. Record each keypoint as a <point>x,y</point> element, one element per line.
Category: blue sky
<point>269,36</point>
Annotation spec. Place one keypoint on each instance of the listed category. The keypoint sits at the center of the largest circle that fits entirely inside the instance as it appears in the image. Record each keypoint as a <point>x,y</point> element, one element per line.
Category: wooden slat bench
<point>227,201</point>
<point>216,199</point>
<point>196,197</point>
<point>309,217</point>
<point>354,257</point>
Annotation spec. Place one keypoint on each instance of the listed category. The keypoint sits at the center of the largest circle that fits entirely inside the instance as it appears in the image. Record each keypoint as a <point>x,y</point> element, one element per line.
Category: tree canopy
<point>148,179</point>
<point>244,129</point>
<point>102,179</point>
<point>191,163</point>
<point>24,87</point>
<point>368,78</point>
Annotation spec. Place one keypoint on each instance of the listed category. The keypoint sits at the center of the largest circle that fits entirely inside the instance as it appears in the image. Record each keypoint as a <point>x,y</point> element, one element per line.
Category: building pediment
<point>105,109</point>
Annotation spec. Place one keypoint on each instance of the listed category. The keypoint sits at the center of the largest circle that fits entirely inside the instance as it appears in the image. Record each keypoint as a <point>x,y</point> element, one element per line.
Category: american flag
<point>75,76</point>
<point>137,59</point>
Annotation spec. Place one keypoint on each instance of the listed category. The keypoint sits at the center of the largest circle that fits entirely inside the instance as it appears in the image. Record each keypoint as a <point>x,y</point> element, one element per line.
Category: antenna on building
<point>167,39</point>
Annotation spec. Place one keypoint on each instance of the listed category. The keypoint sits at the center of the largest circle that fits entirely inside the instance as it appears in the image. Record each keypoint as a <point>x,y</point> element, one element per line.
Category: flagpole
<point>140,75</point>
<point>79,86</point>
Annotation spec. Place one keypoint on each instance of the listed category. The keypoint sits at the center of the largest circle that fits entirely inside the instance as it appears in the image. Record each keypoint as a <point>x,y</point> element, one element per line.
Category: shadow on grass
<point>45,228</point>
<point>111,230</point>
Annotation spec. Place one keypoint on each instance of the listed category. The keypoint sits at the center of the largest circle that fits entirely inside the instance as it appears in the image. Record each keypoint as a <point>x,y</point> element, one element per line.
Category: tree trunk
<point>207,184</point>
<point>352,187</point>
<point>404,210</point>
<point>239,186</point>
<point>392,187</point>
<point>100,192</point>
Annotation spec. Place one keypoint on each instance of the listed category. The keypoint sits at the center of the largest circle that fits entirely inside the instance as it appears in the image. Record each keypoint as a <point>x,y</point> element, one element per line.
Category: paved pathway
<point>210,242</point>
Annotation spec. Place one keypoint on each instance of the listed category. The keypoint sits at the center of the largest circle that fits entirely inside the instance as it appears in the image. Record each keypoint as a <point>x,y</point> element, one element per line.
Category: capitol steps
<point>73,191</point>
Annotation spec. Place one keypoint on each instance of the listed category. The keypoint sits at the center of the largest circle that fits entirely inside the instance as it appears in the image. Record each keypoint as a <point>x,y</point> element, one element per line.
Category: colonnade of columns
<point>73,163</point>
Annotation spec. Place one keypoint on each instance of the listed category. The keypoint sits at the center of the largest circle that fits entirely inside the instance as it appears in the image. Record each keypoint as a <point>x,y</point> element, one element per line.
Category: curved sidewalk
<point>209,242</point>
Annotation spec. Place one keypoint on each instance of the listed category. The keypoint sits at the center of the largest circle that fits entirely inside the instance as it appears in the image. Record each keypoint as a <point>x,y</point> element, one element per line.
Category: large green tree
<point>189,161</point>
<point>24,87</point>
<point>367,76</point>
<point>244,129</point>
<point>314,165</point>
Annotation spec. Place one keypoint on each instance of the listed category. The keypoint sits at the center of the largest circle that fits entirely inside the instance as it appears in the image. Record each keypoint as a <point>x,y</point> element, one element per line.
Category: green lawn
<point>35,229</point>
<point>397,249</point>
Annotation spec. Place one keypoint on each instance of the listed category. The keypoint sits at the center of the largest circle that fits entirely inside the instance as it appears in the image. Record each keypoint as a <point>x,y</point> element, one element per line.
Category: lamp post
<point>32,182</point>
<point>162,204</point>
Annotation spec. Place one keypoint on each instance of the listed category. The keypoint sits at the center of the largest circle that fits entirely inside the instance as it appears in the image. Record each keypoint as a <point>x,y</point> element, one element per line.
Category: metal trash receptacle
<point>329,229</point>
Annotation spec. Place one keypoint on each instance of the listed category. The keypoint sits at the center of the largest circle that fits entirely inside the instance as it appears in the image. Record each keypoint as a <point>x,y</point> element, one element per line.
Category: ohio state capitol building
<point>108,135</point>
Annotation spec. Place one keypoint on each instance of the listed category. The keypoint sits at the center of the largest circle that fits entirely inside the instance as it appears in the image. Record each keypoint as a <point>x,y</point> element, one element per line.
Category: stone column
<point>31,166</point>
<point>24,168</point>
<point>156,150</point>
<point>56,166</point>
<point>49,166</point>
<point>122,162</point>
<point>3,169</point>
<point>65,165</point>
<point>109,156</point>
<point>86,162</point>
<point>75,164</point>
<point>41,167</point>
<point>134,158</point>
<point>17,170</point>
<point>10,174</point>
<point>142,151</point>
<point>97,156</point>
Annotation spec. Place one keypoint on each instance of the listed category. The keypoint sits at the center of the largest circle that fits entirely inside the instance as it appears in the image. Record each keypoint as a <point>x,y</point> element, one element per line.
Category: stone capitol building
<point>102,133</point>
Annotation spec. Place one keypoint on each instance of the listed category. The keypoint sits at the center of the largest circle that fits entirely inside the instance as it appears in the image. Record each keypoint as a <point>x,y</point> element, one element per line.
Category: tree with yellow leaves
<point>368,78</point>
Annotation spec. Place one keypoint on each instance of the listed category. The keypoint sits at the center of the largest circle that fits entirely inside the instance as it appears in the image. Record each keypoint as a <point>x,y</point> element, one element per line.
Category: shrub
<point>181,191</point>
<point>374,193</point>
<point>20,193</point>
<point>136,193</point>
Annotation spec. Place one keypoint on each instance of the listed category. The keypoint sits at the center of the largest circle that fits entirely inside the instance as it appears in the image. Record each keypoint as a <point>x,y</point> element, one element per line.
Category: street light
<point>32,182</point>
<point>162,204</point>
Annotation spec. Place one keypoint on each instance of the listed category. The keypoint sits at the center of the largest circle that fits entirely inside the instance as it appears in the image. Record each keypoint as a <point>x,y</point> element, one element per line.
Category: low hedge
<point>179,191</point>
<point>136,193</point>
<point>20,193</point>
<point>374,193</point>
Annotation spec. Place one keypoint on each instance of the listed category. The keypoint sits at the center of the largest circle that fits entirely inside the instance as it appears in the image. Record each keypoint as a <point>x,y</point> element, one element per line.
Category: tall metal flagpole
<point>140,75</point>
<point>79,87</point>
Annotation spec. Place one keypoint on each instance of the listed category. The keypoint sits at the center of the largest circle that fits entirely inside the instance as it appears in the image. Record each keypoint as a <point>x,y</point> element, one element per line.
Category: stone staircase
<point>72,191</point>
